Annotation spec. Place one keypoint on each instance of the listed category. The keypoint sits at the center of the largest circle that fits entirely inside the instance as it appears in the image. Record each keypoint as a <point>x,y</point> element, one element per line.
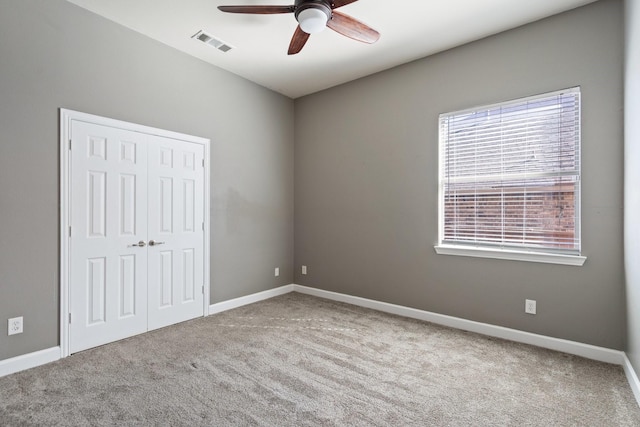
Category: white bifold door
<point>136,241</point>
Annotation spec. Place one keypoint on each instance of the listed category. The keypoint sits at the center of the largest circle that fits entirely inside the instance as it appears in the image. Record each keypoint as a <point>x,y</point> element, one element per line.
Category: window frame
<point>542,255</point>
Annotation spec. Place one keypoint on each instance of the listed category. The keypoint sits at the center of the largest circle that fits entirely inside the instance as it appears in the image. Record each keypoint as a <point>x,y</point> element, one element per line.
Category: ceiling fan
<point>314,16</point>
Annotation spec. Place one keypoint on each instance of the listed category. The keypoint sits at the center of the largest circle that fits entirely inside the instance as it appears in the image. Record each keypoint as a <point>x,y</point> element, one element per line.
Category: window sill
<point>511,254</point>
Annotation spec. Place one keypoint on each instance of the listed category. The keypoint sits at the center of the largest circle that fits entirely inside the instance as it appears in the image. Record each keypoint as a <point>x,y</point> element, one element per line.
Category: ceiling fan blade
<point>352,28</point>
<point>298,41</point>
<point>339,3</point>
<point>262,10</point>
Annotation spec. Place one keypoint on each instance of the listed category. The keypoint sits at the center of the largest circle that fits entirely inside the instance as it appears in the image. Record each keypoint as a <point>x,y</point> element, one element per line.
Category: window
<point>510,180</point>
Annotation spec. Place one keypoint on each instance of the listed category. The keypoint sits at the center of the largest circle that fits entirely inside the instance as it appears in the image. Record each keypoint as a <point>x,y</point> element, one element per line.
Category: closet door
<point>176,231</point>
<point>108,252</point>
<point>136,244</point>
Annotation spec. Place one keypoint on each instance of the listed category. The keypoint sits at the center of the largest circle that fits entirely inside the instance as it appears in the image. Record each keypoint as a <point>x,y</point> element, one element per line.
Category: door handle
<point>140,244</point>
<point>154,243</point>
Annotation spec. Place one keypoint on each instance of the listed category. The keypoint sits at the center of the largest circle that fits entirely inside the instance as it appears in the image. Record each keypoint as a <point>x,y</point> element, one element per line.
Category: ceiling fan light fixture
<point>314,16</point>
<point>313,20</point>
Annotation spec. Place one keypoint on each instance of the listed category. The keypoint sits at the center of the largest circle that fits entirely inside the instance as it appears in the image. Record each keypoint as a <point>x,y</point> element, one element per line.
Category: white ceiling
<point>410,29</point>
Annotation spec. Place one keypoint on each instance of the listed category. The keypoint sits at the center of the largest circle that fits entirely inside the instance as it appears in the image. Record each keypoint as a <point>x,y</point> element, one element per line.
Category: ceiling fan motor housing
<point>312,15</point>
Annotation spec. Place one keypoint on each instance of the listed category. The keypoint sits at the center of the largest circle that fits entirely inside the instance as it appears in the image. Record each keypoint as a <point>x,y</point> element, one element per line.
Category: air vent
<point>212,41</point>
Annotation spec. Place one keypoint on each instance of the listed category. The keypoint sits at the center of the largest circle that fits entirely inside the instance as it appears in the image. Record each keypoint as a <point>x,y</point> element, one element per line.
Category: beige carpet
<point>297,360</point>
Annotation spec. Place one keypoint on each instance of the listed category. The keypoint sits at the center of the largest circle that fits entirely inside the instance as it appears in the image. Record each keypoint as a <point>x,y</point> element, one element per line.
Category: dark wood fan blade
<point>298,41</point>
<point>352,28</point>
<point>262,10</point>
<point>339,3</point>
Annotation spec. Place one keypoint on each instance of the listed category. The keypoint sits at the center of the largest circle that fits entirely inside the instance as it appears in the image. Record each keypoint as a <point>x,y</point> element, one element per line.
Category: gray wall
<point>54,54</point>
<point>366,168</point>
<point>366,173</point>
<point>632,179</point>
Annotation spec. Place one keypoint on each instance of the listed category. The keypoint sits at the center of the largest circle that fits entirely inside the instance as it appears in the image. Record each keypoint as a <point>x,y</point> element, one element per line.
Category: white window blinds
<point>510,174</point>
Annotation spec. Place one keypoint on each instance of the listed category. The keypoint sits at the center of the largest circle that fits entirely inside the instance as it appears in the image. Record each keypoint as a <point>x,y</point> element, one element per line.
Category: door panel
<point>108,276</point>
<point>188,278</point>
<point>96,290</point>
<point>176,215</point>
<point>127,286</point>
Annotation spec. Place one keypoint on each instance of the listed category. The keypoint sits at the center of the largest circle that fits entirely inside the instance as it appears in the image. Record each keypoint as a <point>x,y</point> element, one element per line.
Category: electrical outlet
<point>304,269</point>
<point>15,325</point>
<point>277,271</point>
<point>530,306</point>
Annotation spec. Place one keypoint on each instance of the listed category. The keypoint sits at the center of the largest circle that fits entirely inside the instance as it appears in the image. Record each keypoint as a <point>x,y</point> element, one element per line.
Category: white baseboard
<point>579,349</point>
<point>30,360</point>
<point>632,378</point>
<point>249,299</point>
